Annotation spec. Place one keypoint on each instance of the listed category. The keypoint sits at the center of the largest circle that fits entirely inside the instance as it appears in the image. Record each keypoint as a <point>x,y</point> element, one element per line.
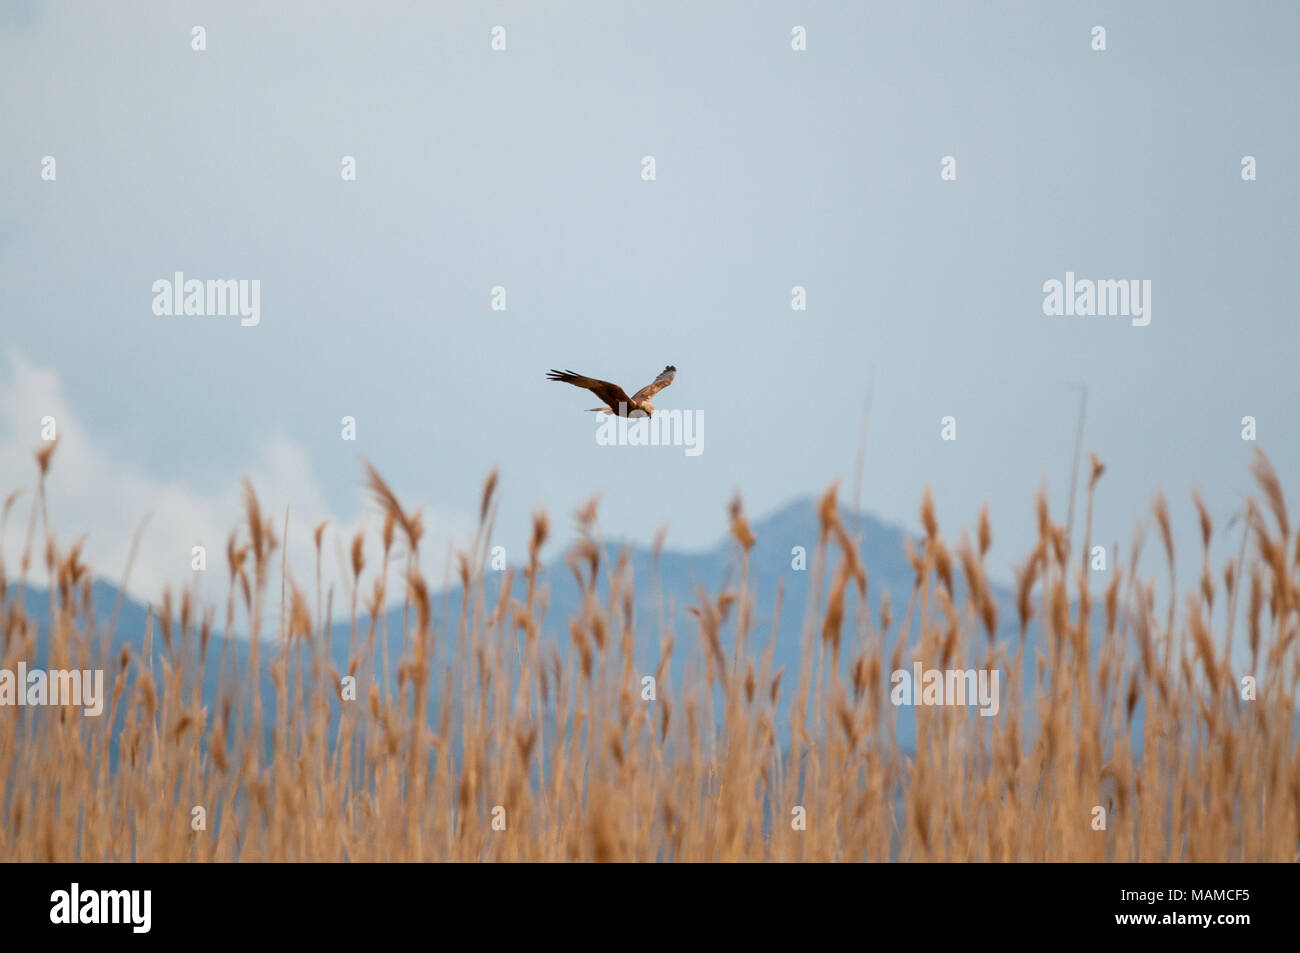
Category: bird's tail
<point>602,410</point>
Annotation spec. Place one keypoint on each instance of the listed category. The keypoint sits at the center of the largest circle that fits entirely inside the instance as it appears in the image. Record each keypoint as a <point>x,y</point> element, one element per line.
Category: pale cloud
<point>108,500</point>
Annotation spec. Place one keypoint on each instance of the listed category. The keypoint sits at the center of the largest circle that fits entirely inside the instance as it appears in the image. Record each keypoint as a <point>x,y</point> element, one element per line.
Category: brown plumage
<point>615,398</point>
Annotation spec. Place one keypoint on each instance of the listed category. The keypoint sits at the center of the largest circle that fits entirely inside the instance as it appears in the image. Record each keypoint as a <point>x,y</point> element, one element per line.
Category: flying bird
<point>615,398</point>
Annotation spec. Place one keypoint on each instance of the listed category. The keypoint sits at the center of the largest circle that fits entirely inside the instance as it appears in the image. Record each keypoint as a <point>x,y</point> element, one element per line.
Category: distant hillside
<point>677,576</point>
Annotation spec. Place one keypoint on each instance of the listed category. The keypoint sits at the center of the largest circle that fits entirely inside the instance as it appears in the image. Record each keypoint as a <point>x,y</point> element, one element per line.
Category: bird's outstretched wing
<point>611,394</point>
<point>655,386</point>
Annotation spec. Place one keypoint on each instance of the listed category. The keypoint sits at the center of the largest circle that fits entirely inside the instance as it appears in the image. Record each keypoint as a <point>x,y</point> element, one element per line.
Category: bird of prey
<point>615,398</point>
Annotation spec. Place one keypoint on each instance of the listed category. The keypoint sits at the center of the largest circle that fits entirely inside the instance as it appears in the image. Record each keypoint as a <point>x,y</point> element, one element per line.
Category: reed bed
<point>534,743</point>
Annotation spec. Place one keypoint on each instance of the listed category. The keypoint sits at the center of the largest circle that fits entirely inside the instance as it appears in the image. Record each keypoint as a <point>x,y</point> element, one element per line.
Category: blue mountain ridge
<point>665,587</point>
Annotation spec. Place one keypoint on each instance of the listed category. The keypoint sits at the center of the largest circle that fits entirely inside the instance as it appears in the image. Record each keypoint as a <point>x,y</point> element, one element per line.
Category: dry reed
<point>420,766</point>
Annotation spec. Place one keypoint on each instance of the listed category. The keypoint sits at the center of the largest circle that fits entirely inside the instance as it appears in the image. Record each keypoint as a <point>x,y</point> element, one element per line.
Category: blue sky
<point>522,168</point>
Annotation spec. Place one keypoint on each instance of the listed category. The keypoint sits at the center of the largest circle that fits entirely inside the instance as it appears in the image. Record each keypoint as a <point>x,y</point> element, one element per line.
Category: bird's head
<point>647,407</point>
